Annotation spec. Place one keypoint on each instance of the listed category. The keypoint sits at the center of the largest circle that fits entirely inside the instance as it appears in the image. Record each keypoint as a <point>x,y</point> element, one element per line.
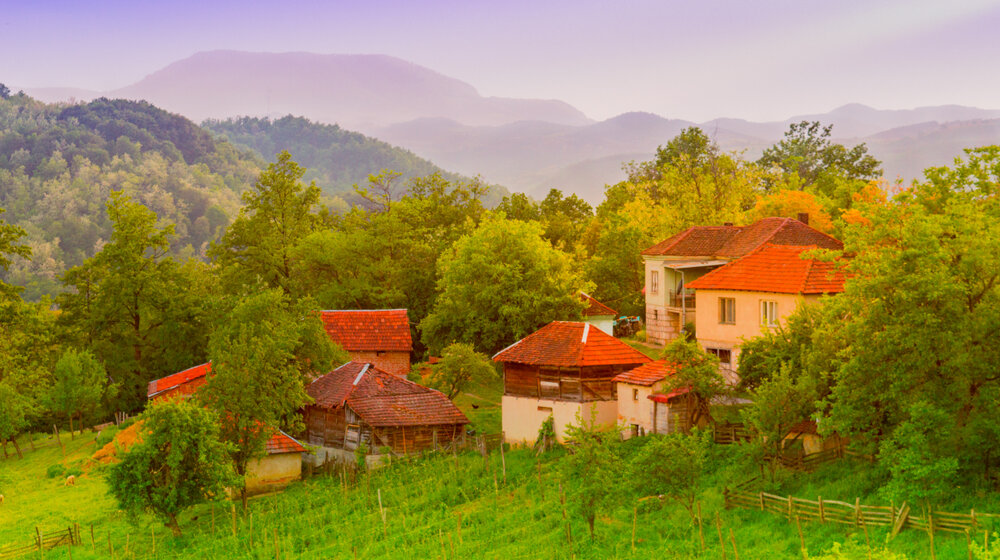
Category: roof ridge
<point>805,277</point>
<point>361,310</point>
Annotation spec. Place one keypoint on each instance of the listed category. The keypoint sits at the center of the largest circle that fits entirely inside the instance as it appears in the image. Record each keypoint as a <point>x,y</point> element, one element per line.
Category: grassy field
<point>444,507</point>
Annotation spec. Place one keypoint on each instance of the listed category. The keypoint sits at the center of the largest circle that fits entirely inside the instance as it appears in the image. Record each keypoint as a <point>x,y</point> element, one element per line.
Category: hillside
<point>335,158</point>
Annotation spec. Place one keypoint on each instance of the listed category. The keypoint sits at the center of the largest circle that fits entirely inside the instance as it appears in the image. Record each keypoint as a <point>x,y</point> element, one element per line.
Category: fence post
<point>760,495</point>
<point>857,511</point>
<point>790,506</point>
<point>822,514</point>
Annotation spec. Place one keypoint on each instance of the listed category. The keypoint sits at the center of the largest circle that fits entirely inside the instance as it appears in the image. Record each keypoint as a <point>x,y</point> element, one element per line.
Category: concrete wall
<point>638,411</point>
<point>604,322</point>
<point>712,334</point>
<point>523,416</point>
<point>396,363</point>
<point>273,472</point>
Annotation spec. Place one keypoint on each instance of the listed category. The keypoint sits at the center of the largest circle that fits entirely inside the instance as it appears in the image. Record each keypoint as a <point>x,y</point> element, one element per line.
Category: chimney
<point>804,217</point>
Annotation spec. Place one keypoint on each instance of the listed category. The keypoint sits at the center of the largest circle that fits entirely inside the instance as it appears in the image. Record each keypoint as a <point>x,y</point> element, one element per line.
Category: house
<point>283,462</point>
<point>562,370</point>
<point>634,389</point>
<point>806,433</point>
<point>598,314</point>
<point>755,293</point>
<point>358,402</point>
<point>373,336</point>
<point>671,265</point>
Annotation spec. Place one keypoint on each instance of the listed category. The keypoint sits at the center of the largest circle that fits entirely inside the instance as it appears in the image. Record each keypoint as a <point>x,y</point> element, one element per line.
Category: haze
<point>691,60</point>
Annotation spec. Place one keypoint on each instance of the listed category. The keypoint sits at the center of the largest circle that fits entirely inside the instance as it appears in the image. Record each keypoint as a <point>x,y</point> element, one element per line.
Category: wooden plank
<point>901,520</point>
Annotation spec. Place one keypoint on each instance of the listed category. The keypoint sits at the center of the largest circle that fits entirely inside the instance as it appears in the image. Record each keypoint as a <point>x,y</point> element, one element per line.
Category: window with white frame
<point>654,281</point>
<point>769,313</point>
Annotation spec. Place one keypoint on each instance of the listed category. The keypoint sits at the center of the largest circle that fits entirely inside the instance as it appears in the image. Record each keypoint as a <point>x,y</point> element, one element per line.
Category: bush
<point>55,471</point>
<point>105,437</point>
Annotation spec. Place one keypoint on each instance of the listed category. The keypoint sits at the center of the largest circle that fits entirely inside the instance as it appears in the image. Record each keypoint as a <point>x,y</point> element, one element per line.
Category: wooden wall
<point>562,384</point>
<point>340,428</point>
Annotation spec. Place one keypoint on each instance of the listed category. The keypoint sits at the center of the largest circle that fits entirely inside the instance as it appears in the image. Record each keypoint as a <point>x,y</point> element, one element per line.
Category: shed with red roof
<point>598,314</point>
<point>358,402</point>
<point>564,369</point>
<point>674,263</point>
<point>376,336</point>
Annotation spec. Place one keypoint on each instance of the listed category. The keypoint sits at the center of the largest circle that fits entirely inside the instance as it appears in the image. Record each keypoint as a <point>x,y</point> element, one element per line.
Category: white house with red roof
<point>756,293</point>
<point>376,336</point>
<point>598,314</point>
<point>634,388</point>
<point>563,370</point>
<point>283,462</point>
<point>358,402</point>
<point>673,264</point>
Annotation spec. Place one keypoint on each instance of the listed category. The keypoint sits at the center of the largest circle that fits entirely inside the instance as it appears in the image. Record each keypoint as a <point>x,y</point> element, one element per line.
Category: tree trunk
<point>243,496</point>
<point>590,522</point>
<point>171,524</point>
<point>16,448</point>
<point>71,435</point>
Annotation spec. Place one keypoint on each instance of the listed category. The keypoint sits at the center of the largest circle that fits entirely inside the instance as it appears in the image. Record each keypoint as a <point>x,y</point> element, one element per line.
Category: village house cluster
<point>730,281</point>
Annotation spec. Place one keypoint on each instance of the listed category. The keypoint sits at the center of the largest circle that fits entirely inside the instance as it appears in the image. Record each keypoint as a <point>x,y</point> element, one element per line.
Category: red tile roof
<point>570,344</point>
<point>662,398</point>
<point>647,374</point>
<point>281,442</point>
<point>736,241</point>
<point>595,307</point>
<point>383,399</point>
<point>378,330</point>
<point>775,269</point>
<point>177,379</point>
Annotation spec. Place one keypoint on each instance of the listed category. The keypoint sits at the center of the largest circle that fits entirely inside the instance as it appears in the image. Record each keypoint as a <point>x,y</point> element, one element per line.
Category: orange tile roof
<point>775,269</point>
<point>737,241</point>
<point>595,307</point>
<point>281,443</point>
<point>379,330</point>
<point>647,374</point>
<point>570,344</point>
<point>383,399</point>
<point>177,379</point>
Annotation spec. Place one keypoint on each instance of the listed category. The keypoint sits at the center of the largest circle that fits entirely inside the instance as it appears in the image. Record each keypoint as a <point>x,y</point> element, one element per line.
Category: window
<point>635,394</point>
<point>727,310</point>
<point>654,281</point>
<point>656,314</point>
<point>725,355</point>
<point>769,313</point>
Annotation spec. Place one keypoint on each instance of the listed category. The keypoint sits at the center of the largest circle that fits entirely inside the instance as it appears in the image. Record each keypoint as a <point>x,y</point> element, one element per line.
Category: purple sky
<point>755,59</point>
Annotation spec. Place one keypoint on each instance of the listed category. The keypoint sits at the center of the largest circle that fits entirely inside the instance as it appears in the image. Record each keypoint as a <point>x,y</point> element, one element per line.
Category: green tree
<point>779,403</point>
<point>807,151</point>
<point>278,212</point>
<point>80,381</point>
<point>10,246</point>
<point>698,372</point>
<point>498,284</point>
<point>263,353</point>
<point>591,463</point>
<point>672,466</point>
<point>4,91</point>
<point>519,206</point>
<point>565,218</point>
<point>177,462</point>
<point>461,365</point>
<point>14,410</point>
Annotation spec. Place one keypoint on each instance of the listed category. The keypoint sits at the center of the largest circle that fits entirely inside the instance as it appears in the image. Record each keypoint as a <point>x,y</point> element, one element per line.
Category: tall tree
<point>263,353</point>
<point>278,212</point>
<point>697,372</point>
<point>80,381</point>
<point>10,246</point>
<point>590,467</point>
<point>459,366</point>
<point>807,151</point>
<point>672,465</point>
<point>177,462</point>
<point>498,284</point>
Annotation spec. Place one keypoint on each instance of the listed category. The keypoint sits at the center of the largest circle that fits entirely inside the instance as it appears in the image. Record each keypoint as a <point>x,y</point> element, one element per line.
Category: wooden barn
<point>564,369</point>
<point>359,402</point>
<point>374,336</point>
<point>283,462</point>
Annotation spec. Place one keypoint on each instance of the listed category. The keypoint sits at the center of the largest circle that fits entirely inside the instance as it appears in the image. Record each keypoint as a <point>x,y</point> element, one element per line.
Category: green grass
<point>485,417</point>
<point>650,350</point>
<point>422,500</point>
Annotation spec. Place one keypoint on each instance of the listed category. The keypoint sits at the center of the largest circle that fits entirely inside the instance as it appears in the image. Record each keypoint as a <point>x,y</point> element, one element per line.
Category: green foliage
<point>673,466</point>
<point>262,353</point>
<point>460,366</point>
<point>779,403</point>
<point>590,468</point>
<point>14,410</point>
<point>789,345</point>
<point>565,218</point>
<point>498,284</point>
<point>178,462</point>
<point>55,470</point>
<point>361,456</point>
<point>10,247</point>
<point>546,434</point>
<point>80,381</point>
<point>106,436</point>
<point>807,151</point>
<point>696,369</point>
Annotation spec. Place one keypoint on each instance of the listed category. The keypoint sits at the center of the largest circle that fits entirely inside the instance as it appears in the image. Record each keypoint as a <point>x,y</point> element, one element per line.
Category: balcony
<point>681,299</point>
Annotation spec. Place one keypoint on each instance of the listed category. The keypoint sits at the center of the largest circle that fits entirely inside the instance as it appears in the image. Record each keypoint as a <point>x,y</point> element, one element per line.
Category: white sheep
<point>71,480</point>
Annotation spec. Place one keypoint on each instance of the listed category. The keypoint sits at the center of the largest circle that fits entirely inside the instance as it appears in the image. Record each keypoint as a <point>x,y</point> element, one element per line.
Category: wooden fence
<point>43,541</point>
<point>729,433</point>
<point>857,514</point>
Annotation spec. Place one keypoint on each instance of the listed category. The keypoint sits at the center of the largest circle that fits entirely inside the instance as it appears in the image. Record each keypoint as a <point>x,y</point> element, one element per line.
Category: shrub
<point>105,437</point>
<point>55,471</point>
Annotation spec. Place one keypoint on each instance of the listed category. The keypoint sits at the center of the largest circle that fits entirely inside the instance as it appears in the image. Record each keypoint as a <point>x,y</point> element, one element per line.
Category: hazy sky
<point>694,59</point>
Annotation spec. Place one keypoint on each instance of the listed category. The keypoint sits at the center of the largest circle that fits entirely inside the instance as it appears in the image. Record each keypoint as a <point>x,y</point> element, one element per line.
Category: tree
<point>177,462</point>
<point>519,206</point>
<point>498,284</point>
<point>807,151</point>
<point>698,372</point>
<point>10,246</point>
<point>80,381</point>
<point>565,218</point>
<point>779,403</point>
<point>459,366</point>
<point>134,306</point>
<point>790,345</point>
<point>672,465</point>
<point>591,468</point>
<point>263,352</point>
<point>278,212</point>
<point>4,91</point>
<point>14,409</point>
<point>791,203</point>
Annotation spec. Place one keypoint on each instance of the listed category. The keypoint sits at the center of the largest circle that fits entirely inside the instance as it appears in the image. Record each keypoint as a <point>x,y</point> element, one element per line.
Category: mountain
<point>335,158</point>
<point>355,91</point>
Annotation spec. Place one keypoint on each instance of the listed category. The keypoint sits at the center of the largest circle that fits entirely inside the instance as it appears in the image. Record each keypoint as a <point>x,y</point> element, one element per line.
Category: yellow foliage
<point>789,204</point>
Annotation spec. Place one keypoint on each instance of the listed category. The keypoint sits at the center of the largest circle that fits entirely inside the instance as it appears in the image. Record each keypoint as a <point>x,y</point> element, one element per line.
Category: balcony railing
<point>682,299</point>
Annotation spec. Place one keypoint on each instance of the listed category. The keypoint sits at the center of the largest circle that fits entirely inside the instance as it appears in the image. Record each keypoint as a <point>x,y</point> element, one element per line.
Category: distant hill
<point>355,91</point>
<point>335,158</point>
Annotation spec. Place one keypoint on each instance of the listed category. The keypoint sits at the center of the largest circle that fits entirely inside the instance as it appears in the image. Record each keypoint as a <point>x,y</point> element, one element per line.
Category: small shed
<point>806,432</point>
<point>598,314</point>
<point>634,388</point>
<point>563,370</point>
<point>374,336</point>
<point>283,462</point>
<point>359,402</point>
